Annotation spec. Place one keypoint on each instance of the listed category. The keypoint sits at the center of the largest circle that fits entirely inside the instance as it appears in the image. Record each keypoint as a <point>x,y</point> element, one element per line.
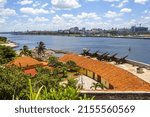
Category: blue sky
<point>22,15</point>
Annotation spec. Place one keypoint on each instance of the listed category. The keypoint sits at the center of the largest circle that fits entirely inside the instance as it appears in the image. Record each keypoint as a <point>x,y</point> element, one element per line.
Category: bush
<point>7,54</point>
<point>13,83</point>
<point>3,39</point>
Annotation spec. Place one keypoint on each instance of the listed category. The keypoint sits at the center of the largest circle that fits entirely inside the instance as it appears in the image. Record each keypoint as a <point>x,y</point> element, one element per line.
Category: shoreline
<point>10,44</point>
<point>115,37</point>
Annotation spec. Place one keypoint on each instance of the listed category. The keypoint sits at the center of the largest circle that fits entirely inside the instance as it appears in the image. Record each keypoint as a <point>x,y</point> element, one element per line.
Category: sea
<point>136,49</point>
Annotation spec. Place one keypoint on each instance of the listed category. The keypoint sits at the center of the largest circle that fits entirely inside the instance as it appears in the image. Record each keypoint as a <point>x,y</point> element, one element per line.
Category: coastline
<point>10,44</point>
<point>78,35</point>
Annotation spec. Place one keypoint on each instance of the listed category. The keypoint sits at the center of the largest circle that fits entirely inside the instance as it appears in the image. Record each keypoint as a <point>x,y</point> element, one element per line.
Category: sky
<point>22,15</point>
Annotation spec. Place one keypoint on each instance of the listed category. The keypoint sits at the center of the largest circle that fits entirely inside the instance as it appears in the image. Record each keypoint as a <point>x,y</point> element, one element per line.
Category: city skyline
<point>22,15</point>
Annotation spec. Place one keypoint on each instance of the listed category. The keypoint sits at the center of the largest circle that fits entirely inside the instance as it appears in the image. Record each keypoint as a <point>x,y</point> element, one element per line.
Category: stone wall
<point>119,96</point>
<point>136,63</point>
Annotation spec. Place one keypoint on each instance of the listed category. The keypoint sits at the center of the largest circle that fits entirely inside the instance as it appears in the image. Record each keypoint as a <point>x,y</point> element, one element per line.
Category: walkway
<point>87,82</point>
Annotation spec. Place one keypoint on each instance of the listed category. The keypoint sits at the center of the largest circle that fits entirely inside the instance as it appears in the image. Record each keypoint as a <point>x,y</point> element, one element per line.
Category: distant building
<point>139,29</point>
<point>123,30</point>
<point>83,29</point>
<point>74,30</point>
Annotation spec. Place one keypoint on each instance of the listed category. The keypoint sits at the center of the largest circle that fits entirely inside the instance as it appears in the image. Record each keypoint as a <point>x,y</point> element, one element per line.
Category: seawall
<point>137,63</point>
<point>118,95</point>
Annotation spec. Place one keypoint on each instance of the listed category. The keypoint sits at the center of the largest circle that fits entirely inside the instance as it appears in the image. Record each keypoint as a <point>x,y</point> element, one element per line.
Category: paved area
<point>87,82</point>
<point>133,69</point>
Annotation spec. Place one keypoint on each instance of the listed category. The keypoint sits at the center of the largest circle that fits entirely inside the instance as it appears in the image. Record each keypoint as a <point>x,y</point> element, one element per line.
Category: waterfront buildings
<point>112,77</point>
<point>28,64</point>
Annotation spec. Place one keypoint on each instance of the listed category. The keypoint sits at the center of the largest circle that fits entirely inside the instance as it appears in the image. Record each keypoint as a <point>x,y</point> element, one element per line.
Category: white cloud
<point>38,19</point>
<point>52,11</point>
<point>36,4</point>
<point>126,10</point>
<point>25,16</point>
<point>84,15</point>
<point>91,0</point>
<point>28,10</point>
<point>65,4</point>
<point>121,4</point>
<point>2,2</point>
<point>147,18</point>
<point>118,19</point>
<point>7,12</point>
<point>112,14</point>
<point>25,2</point>
<point>111,0</point>
<point>44,5</point>
<point>84,19</point>
<point>141,1</point>
<point>146,11</point>
<point>2,21</point>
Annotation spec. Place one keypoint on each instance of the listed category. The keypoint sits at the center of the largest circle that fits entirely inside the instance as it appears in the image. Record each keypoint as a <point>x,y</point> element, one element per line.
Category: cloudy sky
<point>22,15</point>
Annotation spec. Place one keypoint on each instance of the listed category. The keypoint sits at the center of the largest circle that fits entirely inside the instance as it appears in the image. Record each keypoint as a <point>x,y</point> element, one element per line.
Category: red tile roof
<point>25,62</point>
<point>31,72</point>
<point>120,79</point>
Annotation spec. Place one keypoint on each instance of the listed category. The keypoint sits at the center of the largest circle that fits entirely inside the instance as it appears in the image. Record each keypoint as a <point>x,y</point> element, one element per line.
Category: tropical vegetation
<point>25,51</point>
<point>6,54</point>
<point>41,49</point>
<point>47,84</point>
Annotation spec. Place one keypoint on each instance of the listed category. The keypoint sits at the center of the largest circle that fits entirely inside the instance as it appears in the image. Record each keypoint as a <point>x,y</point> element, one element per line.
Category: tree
<point>25,51</point>
<point>13,83</point>
<point>41,49</point>
<point>7,54</point>
<point>3,40</point>
<point>71,65</point>
<point>96,85</point>
<point>52,61</point>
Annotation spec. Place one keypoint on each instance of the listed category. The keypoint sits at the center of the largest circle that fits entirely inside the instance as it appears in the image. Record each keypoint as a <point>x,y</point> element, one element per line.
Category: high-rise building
<point>139,29</point>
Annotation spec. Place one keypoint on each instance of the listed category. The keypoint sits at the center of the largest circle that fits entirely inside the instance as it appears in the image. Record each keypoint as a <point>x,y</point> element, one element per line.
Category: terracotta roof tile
<point>120,79</point>
<point>24,62</point>
<point>31,72</point>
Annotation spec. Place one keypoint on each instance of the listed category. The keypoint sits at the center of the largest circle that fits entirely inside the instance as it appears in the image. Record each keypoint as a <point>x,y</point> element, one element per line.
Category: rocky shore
<point>10,44</point>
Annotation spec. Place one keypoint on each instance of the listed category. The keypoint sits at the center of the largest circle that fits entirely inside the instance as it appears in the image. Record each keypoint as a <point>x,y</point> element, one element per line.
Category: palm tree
<point>25,51</point>
<point>41,49</point>
<point>71,65</point>
<point>96,85</point>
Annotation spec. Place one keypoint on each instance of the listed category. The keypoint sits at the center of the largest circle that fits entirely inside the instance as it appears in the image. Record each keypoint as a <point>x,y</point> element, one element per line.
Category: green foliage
<point>72,82</point>
<point>25,51</point>
<point>85,97</point>
<point>52,61</point>
<point>72,66</point>
<point>56,93</point>
<point>13,83</point>
<point>96,85</point>
<point>45,85</point>
<point>7,54</point>
<point>32,94</point>
<point>41,48</point>
<point>3,40</point>
<point>62,93</point>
